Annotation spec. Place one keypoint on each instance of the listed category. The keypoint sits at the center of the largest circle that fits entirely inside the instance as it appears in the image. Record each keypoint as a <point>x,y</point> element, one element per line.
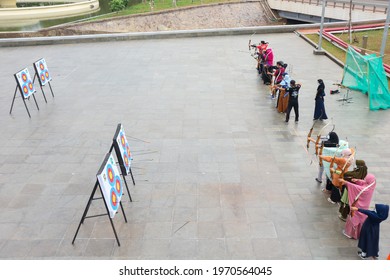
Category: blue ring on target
<point>42,76</point>
<point>114,201</point>
<point>128,152</point>
<point>47,75</point>
<point>123,140</point>
<point>24,77</point>
<point>118,186</point>
<point>126,159</point>
<point>110,175</point>
<point>25,90</point>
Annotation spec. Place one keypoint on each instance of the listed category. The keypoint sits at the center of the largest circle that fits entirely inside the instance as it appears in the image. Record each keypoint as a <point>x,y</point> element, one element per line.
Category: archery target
<point>42,71</point>
<point>122,150</point>
<point>24,81</point>
<point>110,184</point>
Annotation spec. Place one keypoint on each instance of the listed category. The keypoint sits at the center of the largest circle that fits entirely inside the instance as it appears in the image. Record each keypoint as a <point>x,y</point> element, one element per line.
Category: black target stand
<point>92,198</point>
<point>18,87</point>
<point>43,76</point>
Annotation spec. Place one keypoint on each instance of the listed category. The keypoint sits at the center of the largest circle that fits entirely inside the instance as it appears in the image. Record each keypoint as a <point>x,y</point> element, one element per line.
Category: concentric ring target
<point>43,78</point>
<point>24,77</point>
<point>123,140</point>
<point>25,90</point>
<point>118,185</point>
<point>47,74</point>
<point>126,159</point>
<point>30,86</point>
<point>41,66</point>
<point>128,151</point>
<point>110,175</point>
<point>114,201</point>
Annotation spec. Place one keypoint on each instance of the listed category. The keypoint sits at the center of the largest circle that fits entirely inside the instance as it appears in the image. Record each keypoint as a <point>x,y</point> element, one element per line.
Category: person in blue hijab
<point>369,234</point>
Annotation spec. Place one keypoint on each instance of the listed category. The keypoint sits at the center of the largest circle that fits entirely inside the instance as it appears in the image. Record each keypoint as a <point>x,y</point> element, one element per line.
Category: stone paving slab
<point>219,175</point>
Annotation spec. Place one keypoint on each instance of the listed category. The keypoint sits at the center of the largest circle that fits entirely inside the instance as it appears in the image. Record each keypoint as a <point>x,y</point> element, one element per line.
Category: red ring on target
<point>110,175</point>
<point>128,151</point>
<point>25,89</point>
<point>41,66</point>
<point>126,159</point>
<point>114,200</point>
<point>47,74</point>
<point>24,77</point>
<point>123,140</point>
<point>43,78</point>
<point>118,186</point>
<point>30,86</point>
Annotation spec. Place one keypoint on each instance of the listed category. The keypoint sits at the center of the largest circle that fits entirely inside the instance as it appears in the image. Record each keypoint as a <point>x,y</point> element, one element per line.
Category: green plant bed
<point>145,7</point>
<point>374,41</point>
<point>340,54</point>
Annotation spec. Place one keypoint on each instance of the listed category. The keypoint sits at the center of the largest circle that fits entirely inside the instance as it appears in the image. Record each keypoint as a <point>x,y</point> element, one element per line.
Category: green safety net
<point>365,73</point>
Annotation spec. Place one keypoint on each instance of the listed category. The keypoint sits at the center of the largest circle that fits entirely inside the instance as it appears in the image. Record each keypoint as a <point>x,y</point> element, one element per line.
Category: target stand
<point>110,186</point>
<point>26,89</point>
<point>123,154</point>
<point>43,74</point>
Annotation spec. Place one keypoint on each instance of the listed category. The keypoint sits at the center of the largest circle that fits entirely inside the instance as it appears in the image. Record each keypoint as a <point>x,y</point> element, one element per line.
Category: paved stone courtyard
<point>219,175</point>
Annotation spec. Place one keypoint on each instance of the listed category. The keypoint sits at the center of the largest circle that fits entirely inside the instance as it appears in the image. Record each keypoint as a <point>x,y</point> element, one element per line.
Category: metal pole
<point>322,24</point>
<point>385,31</point>
<point>350,23</point>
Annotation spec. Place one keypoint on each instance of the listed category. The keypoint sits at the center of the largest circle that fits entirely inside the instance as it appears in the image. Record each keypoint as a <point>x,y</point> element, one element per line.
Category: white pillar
<point>385,31</point>
<point>319,49</point>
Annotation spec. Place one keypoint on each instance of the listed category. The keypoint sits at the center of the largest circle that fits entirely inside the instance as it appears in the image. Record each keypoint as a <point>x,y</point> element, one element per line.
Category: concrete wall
<point>12,16</point>
<point>338,10</point>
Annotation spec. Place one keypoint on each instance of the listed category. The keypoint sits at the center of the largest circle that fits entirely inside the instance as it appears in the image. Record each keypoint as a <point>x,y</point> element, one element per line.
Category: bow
<point>309,139</point>
<point>331,169</point>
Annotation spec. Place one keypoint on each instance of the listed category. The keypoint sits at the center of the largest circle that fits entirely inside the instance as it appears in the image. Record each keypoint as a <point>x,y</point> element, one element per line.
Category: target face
<point>42,71</point>
<point>122,150</point>
<point>24,81</point>
<point>110,184</point>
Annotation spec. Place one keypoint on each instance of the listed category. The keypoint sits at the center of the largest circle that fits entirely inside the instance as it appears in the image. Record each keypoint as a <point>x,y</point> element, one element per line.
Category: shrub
<point>117,5</point>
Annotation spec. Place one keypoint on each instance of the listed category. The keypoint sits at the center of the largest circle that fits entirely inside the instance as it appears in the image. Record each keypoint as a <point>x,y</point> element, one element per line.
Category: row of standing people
<point>284,89</point>
<point>351,190</point>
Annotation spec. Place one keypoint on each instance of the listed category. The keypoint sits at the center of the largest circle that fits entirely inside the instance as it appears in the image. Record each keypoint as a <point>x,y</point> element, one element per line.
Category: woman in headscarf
<point>360,172</point>
<point>319,109</point>
<point>369,235</point>
<point>360,193</point>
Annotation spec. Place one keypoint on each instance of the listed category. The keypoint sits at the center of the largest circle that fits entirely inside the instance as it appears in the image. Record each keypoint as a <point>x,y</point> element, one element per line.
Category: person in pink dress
<point>360,193</point>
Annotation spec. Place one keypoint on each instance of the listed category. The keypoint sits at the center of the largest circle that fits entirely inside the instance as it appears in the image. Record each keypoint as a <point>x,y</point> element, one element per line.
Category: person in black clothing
<point>369,234</point>
<point>293,93</point>
<point>331,141</point>
<point>319,109</point>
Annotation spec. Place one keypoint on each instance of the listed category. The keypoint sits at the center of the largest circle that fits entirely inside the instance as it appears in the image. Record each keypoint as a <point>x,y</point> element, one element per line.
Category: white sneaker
<point>331,201</point>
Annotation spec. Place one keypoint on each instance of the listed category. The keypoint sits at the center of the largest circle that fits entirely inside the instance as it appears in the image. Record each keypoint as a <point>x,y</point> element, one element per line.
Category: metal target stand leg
<point>43,93</point>
<point>24,102</point>
<point>91,198</point>
<point>52,94</point>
